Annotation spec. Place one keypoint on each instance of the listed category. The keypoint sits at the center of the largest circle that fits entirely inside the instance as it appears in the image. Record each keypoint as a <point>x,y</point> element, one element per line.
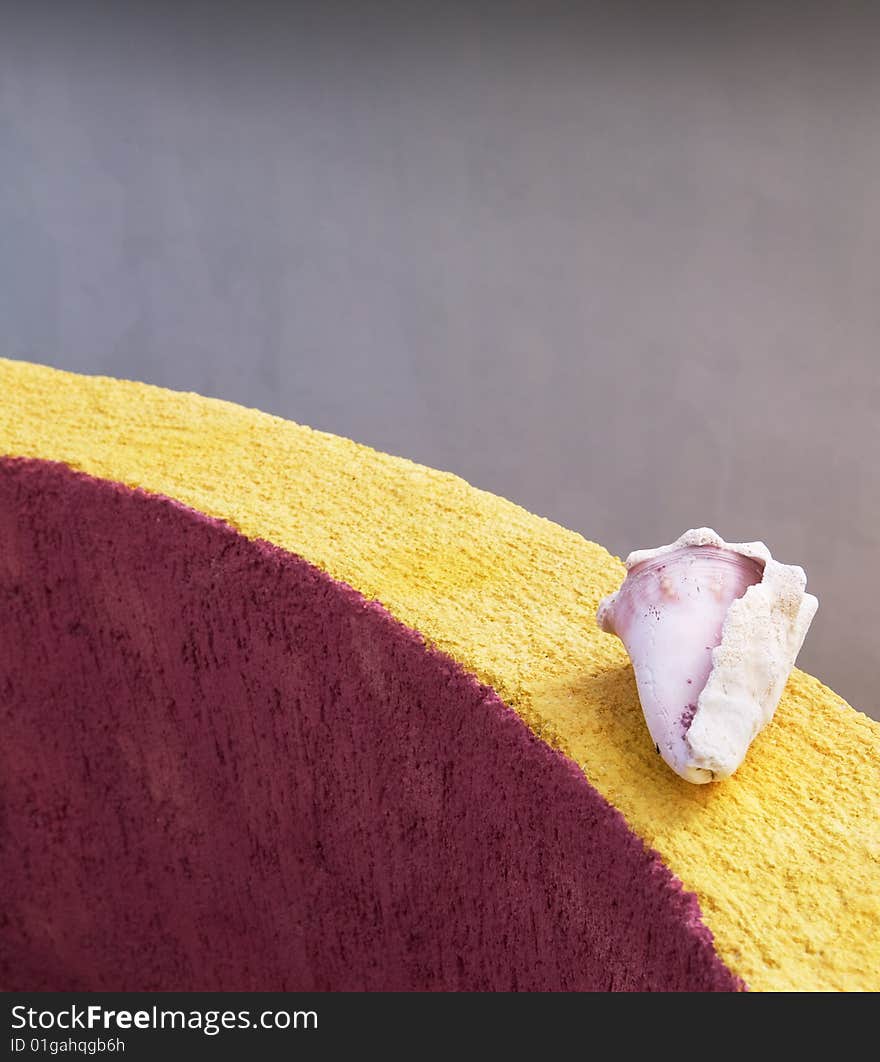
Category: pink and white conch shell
<point>712,629</point>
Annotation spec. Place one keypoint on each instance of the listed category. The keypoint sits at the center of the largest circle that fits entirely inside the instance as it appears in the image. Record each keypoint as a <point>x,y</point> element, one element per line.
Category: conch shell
<point>712,629</point>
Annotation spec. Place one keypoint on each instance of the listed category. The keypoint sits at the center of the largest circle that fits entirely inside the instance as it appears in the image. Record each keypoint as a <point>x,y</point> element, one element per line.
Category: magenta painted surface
<point>220,769</point>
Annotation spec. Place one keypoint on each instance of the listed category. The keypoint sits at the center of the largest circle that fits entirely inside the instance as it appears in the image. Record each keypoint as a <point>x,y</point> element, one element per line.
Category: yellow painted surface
<point>784,856</point>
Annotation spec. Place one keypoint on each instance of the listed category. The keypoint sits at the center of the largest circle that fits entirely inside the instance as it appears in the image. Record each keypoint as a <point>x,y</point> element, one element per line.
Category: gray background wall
<point>618,263</point>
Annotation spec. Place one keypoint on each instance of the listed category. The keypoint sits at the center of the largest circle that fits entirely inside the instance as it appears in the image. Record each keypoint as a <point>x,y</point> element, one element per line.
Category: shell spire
<point>712,629</point>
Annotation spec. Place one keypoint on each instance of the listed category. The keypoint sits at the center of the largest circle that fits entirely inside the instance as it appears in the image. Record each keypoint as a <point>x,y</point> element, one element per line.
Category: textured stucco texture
<point>783,857</point>
<point>223,769</point>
